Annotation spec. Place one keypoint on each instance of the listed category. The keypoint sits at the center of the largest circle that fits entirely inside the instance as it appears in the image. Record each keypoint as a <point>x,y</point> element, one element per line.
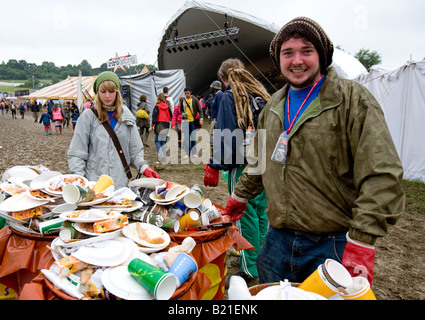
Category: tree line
<point>23,70</point>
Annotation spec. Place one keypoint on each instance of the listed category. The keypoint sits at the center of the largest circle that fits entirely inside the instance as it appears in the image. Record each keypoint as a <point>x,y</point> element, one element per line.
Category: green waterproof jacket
<point>342,171</point>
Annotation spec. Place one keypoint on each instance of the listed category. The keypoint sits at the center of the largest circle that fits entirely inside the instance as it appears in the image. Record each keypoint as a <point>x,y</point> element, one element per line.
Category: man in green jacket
<point>331,172</point>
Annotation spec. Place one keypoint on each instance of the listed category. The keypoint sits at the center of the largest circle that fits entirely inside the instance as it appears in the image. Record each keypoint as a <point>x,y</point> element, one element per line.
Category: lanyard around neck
<point>112,115</point>
<point>302,105</point>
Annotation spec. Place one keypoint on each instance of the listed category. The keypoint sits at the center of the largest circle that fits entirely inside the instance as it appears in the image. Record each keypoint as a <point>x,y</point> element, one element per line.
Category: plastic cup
<point>327,278</point>
<point>156,281</point>
<point>212,213</point>
<point>183,267</point>
<point>206,205</point>
<point>238,289</point>
<point>103,183</point>
<point>50,226</point>
<point>171,224</point>
<point>189,219</point>
<point>360,290</point>
<point>77,194</point>
<point>160,210</point>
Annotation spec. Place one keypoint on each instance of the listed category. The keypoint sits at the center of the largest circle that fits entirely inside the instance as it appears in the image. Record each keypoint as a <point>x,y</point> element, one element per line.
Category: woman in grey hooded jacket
<point>92,151</point>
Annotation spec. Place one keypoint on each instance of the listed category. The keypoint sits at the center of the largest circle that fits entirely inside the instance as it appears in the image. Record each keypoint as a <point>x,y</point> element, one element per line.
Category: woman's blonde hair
<point>242,83</point>
<point>161,98</point>
<point>102,113</point>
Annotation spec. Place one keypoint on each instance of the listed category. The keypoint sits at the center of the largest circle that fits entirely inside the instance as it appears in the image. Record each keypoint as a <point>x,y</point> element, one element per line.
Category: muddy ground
<point>399,269</point>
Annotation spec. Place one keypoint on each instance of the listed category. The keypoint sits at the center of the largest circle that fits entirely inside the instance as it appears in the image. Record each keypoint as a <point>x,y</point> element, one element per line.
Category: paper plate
<point>273,293</point>
<point>117,206</point>
<point>80,227</point>
<point>24,172</point>
<point>57,249</point>
<point>41,181</point>
<point>21,202</point>
<point>10,189</point>
<point>120,283</point>
<point>152,231</point>
<point>107,253</point>
<point>64,178</point>
<point>83,242</point>
<point>41,195</point>
<point>160,200</point>
<point>87,215</point>
<point>135,206</point>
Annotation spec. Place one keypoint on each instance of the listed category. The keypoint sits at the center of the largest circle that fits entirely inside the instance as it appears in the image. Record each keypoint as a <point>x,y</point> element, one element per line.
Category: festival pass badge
<point>280,151</point>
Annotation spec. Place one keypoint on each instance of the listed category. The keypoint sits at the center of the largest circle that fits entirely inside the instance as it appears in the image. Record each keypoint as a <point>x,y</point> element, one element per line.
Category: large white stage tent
<point>401,94</point>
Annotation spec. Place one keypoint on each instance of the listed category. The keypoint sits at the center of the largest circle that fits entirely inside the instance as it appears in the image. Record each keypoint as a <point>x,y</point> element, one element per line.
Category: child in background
<point>57,118</point>
<point>74,117</point>
<point>46,118</point>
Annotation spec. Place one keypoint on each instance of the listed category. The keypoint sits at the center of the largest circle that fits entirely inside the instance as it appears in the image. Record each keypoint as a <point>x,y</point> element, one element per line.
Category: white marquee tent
<point>151,84</point>
<point>401,94</point>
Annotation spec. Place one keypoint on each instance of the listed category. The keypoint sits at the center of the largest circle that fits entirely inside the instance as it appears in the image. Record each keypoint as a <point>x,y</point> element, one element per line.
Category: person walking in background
<point>50,105</point>
<point>161,118</point>
<point>92,151</point>
<point>176,122</point>
<point>13,110</point>
<point>66,109</point>
<point>75,114</point>
<point>35,109</point>
<point>332,174</point>
<point>215,104</point>
<point>235,116</point>
<point>190,108</point>
<point>57,117</point>
<point>168,98</point>
<point>46,119</point>
<point>142,119</point>
<point>22,110</point>
<point>2,107</point>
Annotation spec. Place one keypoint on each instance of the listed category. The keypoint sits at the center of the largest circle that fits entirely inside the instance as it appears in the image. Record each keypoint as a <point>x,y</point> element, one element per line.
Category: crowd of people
<point>327,141</point>
<point>58,114</point>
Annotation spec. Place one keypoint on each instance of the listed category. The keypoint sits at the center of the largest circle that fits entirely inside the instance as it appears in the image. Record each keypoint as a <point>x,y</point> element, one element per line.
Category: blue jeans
<point>294,255</point>
<point>160,143</point>
<point>189,134</point>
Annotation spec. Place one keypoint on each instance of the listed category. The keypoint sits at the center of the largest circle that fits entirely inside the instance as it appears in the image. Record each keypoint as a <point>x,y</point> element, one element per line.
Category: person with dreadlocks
<point>233,120</point>
<point>334,185</point>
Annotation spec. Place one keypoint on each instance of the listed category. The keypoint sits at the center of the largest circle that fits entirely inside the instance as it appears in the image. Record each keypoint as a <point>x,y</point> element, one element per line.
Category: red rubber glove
<point>149,173</point>
<point>235,208</point>
<point>211,176</point>
<point>359,260</point>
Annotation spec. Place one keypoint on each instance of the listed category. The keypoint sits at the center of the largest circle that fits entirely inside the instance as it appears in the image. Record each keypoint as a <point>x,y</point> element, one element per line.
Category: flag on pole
<point>79,92</point>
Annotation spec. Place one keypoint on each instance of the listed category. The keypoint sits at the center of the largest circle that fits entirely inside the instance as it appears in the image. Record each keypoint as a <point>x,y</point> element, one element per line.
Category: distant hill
<point>22,70</point>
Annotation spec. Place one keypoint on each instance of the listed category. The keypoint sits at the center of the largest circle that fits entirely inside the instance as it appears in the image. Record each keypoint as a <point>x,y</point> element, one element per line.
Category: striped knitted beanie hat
<point>309,30</point>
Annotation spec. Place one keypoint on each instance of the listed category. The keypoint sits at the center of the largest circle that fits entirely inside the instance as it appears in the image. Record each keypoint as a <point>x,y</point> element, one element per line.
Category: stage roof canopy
<point>200,36</point>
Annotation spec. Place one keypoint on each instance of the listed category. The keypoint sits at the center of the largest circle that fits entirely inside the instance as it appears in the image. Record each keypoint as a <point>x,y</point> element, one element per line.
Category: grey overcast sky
<point>67,32</point>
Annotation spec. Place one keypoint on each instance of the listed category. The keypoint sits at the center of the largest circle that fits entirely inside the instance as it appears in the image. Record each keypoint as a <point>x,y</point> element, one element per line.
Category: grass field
<point>12,89</point>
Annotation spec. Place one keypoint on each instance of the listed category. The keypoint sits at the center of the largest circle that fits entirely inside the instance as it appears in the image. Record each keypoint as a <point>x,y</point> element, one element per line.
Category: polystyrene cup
<point>77,194</point>
<point>360,290</point>
<point>327,279</point>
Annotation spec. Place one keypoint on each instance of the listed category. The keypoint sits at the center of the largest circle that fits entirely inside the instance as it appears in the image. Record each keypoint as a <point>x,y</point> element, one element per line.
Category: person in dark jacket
<point>35,109</point>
